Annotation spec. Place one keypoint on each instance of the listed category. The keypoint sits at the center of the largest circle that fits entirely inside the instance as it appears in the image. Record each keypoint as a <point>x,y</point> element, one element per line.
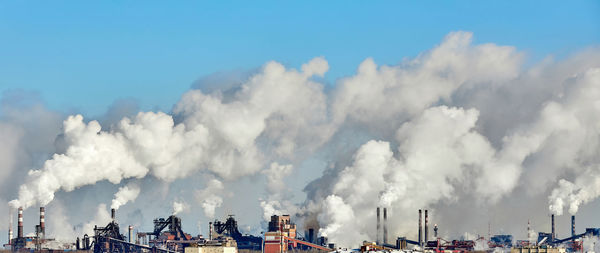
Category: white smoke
<point>215,136</point>
<point>277,202</point>
<point>101,218</point>
<point>125,194</point>
<point>438,150</point>
<point>459,122</point>
<point>210,198</point>
<point>179,207</point>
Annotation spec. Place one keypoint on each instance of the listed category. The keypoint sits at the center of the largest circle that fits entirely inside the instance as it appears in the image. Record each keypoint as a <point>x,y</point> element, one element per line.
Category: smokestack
<point>553,234</point>
<point>426,226</point>
<point>130,233</point>
<point>385,225</point>
<point>210,231</point>
<point>42,222</point>
<point>20,224</point>
<point>378,226</point>
<point>420,229</point>
<point>435,231</point>
<point>573,225</point>
<point>10,226</point>
<point>112,214</point>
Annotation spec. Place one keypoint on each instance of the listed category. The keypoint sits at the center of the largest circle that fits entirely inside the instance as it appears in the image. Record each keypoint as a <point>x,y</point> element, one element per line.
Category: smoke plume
<point>125,194</point>
<point>210,198</point>
<point>460,123</point>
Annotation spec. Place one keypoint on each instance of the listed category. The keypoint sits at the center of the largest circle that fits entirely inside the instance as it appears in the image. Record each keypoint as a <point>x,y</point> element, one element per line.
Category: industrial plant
<point>282,236</point>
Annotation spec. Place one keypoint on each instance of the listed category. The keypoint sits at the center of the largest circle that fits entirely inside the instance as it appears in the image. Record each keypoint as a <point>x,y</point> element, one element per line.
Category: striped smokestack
<point>20,224</point>
<point>385,226</point>
<point>42,222</point>
<point>378,226</point>
<point>420,229</point>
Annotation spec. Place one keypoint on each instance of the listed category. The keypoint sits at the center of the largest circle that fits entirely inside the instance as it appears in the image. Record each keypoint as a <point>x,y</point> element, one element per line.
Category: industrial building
<point>282,237</point>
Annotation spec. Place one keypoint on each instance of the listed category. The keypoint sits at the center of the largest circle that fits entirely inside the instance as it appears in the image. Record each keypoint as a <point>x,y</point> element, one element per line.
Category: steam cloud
<point>178,207</point>
<point>210,198</point>
<point>460,121</point>
<point>125,194</point>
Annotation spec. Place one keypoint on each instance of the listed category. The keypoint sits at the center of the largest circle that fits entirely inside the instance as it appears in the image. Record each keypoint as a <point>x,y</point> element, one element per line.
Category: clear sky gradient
<point>82,55</point>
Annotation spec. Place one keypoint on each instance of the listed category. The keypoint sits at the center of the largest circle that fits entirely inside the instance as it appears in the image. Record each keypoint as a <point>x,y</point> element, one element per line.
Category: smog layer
<point>472,132</point>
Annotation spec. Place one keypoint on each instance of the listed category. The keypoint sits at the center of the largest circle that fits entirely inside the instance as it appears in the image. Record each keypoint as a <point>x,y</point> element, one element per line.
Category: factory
<point>282,236</point>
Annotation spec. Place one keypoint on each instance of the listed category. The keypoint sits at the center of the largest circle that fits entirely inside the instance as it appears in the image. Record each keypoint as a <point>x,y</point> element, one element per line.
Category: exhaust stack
<point>378,227</point>
<point>130,234</point>
<point>435,229</point>
<point>112,214</point>
<point>420,229</point>
<point>20,223</point>
<point>573,225</point>
<point>426,226</point>
<point>210,231</point>
<point>42,222</point>
<point>10,227</point>
<point>553,231</point>
<point>385,231</point>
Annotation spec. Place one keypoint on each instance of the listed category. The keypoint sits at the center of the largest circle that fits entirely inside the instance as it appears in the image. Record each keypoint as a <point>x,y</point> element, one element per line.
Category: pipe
<point>553,234</point>
<point>20,224</point>
<point>42,222</point>
<point>435,229</point>
<point>112,214</point>
<point>385,231</point>
<point>378,227</point>
<point>420,229</point>
<point>426,226</point>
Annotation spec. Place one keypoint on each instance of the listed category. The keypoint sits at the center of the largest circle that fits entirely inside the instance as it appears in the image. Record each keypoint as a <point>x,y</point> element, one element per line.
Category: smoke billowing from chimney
<point>125,194</point>
<point>387,117</point>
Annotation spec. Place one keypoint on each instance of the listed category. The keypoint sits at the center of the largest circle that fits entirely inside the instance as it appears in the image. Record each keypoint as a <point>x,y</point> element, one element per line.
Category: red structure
<point>282,236</point>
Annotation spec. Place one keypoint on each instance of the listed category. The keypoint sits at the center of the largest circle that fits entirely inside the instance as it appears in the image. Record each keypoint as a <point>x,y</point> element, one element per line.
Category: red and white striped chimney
<point>42,222</point>
<point>20,224</point>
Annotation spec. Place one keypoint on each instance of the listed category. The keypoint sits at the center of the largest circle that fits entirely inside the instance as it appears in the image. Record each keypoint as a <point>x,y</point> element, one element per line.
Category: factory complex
<point>282,237</point>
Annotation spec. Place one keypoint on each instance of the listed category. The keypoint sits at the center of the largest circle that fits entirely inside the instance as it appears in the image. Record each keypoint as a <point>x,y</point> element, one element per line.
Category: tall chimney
<point>435,231</point>
<point>573,225</point>
<point>378,227</point>
<point>420,229</point>
<point>553,234</point>
<point>426,226</point>
<point>130,233</point>
<point>20,224</point>
<point>210,231</point>
<point>10,227</point>
<point>385,232</point>
<point>112,214</point>
<point>42,222</point>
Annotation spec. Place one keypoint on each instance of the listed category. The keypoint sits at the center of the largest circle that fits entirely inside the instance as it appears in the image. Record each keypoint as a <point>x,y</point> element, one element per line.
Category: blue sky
<point>81,55</point>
